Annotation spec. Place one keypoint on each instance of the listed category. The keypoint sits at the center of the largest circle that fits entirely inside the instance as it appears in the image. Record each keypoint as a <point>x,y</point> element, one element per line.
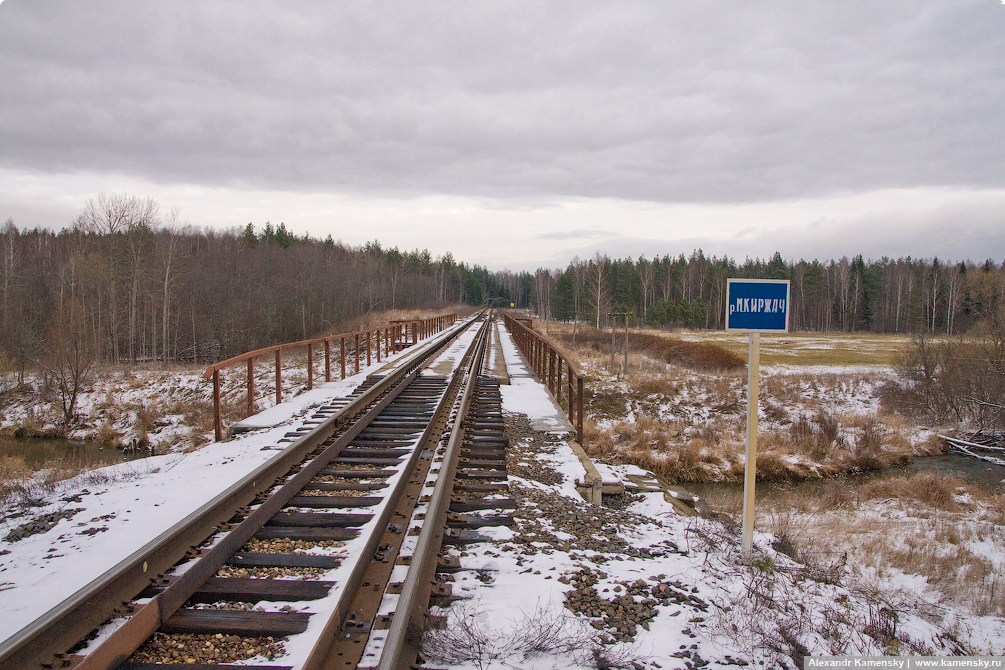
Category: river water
<point>971,470</point>
<point>38,451</point>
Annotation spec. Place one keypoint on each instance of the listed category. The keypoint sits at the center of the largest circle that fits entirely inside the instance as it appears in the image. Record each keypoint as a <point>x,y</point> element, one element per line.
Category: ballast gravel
<point>185,648</point>
<point>590,537</point>
<point>288,546</point>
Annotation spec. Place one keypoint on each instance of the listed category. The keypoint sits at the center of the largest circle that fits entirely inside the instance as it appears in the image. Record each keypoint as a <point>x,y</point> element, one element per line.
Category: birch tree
<point>598,284</point>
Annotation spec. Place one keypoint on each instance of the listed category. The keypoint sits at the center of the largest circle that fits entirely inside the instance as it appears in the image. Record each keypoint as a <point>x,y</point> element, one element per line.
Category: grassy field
<point>803,348</point>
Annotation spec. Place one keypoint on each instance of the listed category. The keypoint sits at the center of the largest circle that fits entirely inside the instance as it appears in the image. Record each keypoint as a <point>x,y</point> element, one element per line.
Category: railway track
<point>333,547</point>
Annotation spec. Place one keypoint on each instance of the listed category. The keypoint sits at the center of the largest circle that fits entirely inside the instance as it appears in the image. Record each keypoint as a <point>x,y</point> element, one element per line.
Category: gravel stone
<point>41,524</point>
<point>174,649</point>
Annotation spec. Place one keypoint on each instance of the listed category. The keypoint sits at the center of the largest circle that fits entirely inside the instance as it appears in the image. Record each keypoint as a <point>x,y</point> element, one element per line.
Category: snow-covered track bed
<point>281,554</point>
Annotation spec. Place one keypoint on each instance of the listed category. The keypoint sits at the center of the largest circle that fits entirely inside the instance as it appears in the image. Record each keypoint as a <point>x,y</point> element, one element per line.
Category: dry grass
<point>801,436</point>
<point>803,348</point>
<point>950,533</point>
<point>14,472</point>
<point>655,345</point>
<point>22,485</point>
<point>813,425</point>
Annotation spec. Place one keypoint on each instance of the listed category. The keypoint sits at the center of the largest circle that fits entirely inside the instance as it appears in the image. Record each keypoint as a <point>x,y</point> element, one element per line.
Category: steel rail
<point>320,655</point>
<point>44,641</point>
<point>398,652</point>
<point>127,638</point>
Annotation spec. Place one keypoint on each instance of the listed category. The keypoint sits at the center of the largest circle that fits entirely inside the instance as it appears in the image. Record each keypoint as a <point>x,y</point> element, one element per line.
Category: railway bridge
<point>358,514</point>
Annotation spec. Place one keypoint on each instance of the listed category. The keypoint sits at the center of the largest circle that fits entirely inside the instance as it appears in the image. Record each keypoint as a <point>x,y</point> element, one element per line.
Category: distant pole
<point>614,322</point>
<point>626,344</point>
<point>753,370</point>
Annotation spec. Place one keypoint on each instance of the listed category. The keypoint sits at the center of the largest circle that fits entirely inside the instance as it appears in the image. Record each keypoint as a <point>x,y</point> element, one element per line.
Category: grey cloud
<point>578,234</point>
<point>955,232</point>
<point>710,102</point>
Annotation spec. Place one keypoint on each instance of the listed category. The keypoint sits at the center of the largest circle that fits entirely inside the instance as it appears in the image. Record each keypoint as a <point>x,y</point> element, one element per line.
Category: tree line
<point>131,283</point>
<point>905,295</point>
<point>126,282</point>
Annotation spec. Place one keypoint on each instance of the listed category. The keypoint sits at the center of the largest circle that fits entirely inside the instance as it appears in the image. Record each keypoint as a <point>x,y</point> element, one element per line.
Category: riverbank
<point>849,486</point>
<point>828,405</point>
<point>163,409</point>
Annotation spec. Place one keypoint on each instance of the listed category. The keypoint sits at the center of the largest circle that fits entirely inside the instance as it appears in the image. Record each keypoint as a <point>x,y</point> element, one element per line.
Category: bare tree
<point>933,286</point>
<point>543,281</point>
<point>129,222</point>
<point>955,277</point>
<point>116,212</point>
<point>10,259</point>
<point>70,356</point>
<point>598,284</point>
<point>169,251</point>
<point>646,273</point>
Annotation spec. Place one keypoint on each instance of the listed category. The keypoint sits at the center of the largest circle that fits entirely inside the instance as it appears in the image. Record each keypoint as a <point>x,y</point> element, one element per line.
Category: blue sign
<point>757,305</point>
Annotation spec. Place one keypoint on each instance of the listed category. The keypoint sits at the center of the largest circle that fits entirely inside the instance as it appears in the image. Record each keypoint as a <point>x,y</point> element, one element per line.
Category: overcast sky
<point>520,134</point>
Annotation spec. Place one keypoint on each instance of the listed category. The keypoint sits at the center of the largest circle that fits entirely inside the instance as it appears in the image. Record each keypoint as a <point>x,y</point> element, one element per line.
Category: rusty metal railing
<point>352,348</point>
<point>547,359</point>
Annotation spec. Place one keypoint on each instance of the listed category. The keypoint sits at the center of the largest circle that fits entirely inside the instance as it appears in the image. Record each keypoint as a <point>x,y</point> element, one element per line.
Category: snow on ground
<point>572,585</point>
<point>112,512</point>
<point>723,611</point>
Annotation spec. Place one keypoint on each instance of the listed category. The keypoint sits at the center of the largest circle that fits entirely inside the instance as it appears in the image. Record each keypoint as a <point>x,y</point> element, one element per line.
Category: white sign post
<point>755,306</point>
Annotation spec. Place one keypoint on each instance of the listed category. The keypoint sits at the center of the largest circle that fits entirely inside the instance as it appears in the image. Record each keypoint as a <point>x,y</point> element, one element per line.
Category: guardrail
<point>352,347</point>
<point>547,359</point>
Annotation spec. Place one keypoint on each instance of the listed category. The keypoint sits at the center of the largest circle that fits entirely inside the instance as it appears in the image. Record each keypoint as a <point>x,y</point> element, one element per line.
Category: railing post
<point>251,385</point>
<point>310,365</point>
<point>328,361</point>
<point>279,376</point>
<point>551,369</point>
<point>377,337</point>
<point>368,348</point>
<point>579,410</point>
<point>356,347</point>
<point>571,397</point>
<point>217,419</point>
<point>342,354</point>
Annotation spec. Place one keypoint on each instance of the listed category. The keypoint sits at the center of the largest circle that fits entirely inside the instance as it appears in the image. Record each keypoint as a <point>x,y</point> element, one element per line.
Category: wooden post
<point>626,344</point>
<point>750,473</point>
<point>572,396</point>
<point>579,411</point>
<point>558,381</point>
<point>328,361</point>
<point>551,369</point>
<point>342,354</point>
<point>217,418</point>
<point>356,346</point>
<point>613,324</point>
<point>279,376</point>
<point>310,366</point>
<point>251,386</point>
<point>368,348</point>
